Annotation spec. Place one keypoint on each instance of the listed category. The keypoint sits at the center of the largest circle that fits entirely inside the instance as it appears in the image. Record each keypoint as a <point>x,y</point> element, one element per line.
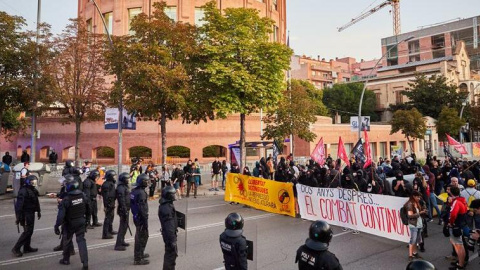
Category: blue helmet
<point>31,181</point>
<point>142,180</point>
<point>70,183</point>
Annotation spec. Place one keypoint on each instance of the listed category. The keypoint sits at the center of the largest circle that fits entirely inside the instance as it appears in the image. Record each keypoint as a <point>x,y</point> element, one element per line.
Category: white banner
<point>375,214</point>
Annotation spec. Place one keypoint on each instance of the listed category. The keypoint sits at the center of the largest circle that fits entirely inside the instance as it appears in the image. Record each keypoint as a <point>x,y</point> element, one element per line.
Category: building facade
<point>118,14</point>
<point>435,42</point>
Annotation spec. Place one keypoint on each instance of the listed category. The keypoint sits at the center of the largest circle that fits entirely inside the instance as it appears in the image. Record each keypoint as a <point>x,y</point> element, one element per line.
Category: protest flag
<point>359,152</point>
<point>368,151</point>
<point>341,153</point>
<point>318,154</point>
<point>460,148</point>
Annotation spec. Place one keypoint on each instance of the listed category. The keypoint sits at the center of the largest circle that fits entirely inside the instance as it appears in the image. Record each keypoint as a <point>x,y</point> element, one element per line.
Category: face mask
<point>34,183</point>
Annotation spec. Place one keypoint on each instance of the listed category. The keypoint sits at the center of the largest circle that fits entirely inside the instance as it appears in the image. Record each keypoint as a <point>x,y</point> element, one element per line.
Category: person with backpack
<point>456,223</point>
<point>470,194</point>
<point>415,223</point>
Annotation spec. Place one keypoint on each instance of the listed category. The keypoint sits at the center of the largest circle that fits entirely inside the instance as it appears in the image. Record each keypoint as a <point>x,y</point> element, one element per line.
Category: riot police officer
<point>71,216</point>
<point>139,207</point>
<point>108,194</point>
<point>76,174</point>
<point>68,169</point>
<point>420,265</point>
<point>168,221</point>
<point>25,207</point>
<point>234,244</point>
<point>314,254</point>
<point>60,196</point>
<point>90,190</point>
<point>123,199</point>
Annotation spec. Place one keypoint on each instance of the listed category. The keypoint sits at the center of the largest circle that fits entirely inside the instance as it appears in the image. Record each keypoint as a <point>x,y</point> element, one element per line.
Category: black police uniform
<point>72,216</point>
<point>123,199</point>
<point>311,256</point>
<point>91,191</point>
<point>87,190</point>
<point>169,223</point>
<point>139,207</point>
<point>108,194</point>
<point>234,249</point>
<point>26,206</point>
<point>61,195</point>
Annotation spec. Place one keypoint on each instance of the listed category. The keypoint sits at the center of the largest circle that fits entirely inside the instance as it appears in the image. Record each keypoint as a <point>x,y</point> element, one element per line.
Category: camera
<point>471,242</point>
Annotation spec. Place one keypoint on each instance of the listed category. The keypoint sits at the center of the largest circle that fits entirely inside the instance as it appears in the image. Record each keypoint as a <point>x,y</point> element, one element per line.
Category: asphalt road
<point>276,241</point>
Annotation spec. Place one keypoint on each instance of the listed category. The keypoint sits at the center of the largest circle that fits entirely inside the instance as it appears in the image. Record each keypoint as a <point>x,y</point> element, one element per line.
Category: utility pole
<point>33,145</point>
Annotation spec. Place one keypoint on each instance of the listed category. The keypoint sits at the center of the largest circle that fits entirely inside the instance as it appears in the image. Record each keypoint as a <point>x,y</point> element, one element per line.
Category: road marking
<point>209,206</point>
<point>7,216</point>
<point>111,243</point>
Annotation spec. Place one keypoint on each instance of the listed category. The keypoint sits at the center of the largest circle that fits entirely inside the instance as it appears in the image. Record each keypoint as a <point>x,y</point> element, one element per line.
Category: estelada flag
<point>368,151</point>
<point>341,153</point>
<point>318,154</point>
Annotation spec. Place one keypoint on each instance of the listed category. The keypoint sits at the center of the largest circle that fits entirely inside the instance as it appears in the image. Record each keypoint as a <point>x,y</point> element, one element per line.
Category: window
<point>398,97</point>
<point>438,53</point>
<point>199,16</point>
<point>132,12</point>
<point>438,41</point>
<point>109,21</point>
<point>275,4</point>
<point>414,46</point>
<point>377,99</point>
<point>313,73</point>
<point>414,58</point>
<point>275,33</point>
<point>383,149</point>
<point>89,26</point>
<point>171,13</point>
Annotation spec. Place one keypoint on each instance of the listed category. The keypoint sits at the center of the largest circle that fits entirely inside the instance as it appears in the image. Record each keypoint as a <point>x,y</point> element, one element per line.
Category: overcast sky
<point>312,23</point>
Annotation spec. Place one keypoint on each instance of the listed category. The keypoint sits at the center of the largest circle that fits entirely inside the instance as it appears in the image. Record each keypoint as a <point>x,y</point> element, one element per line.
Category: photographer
<point>474,234</point>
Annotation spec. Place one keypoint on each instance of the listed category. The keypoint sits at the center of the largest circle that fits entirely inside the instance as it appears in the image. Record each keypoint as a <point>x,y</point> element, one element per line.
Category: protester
<point>470,194</point>
<point>7,159</point>
<point>216,174</point>
<point>415,223</point>
<point>25,157</point>
<point>455,225</point>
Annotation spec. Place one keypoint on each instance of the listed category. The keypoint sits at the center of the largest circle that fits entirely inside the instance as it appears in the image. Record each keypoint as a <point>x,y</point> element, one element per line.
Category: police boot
<point>17,252</point>
<point>98,224</point>
<point>113,232</point>
<point>64,262</point>
<point>120,248</point>
<point>58,248</point>
<point>29,250</point>
<point>141,262</point>
<point>145,255</point>
<point>125,244</point>
<point>108,236</point>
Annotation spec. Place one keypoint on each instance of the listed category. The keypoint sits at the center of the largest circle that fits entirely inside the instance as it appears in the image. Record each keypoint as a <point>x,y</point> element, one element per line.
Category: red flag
<point>341,153</point>
<point>318,154</point>
<point>368,151</point>
<point>451,140</point>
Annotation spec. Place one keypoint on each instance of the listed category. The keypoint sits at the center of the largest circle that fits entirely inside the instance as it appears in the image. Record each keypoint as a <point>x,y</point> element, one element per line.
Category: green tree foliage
<point>140,151</point>
<point>294,114</point>
<point>345,98</point>
<point>240,66</point>
<point>410,123</point>
<point>430,94</point>
<point>315,95</point>
<point>448,122</point>
<point>151,68</point>
<point>214,151</point>
<point>178,151</point>
<point>105,152</point>
<point>79,75</point>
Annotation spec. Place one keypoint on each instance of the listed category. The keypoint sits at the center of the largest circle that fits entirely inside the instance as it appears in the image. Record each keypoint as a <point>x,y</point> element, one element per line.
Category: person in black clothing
<point>360,181</point>
<point>76,174</point>
<point>53,157</point>
<point>234,244</point>
<point>224,172</point>
<point>168,221</point>
<point>188,170</point>
<point>235,168</point>
<point>7,159</point>
<point>108,195</point>
<point>123,199</point>
<point>280,173</point>
<point>71,216</point>
<point>400,187</point>
<point>60,196</point>
<point>314,254</point>
<point>90,190</point>
<point>68,168</point>
<point>26,205</point>
<point>348,182</point>
<point>139,207</point>
<point>308,179</point>
<point>24,157</point>
<point>265,171</point>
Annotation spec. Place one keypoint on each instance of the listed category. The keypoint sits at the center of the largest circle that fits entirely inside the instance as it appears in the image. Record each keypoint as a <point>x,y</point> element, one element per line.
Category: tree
<point>410,122</point>
<point>344,100</point>
<point>448,122</point>
<point>79,75</point>
<point>430,94</point>
<point>315,95</point>
<point>243,69</point>
<point>151,67</point>
<point>294,114</point>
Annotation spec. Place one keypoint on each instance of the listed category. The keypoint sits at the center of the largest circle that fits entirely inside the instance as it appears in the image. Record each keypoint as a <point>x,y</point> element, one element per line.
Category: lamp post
<point>366,81</point>
<point>120,104</point>
<point>464,103</point>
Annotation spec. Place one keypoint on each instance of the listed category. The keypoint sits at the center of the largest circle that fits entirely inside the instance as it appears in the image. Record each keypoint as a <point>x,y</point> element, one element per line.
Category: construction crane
<point>396,16</point>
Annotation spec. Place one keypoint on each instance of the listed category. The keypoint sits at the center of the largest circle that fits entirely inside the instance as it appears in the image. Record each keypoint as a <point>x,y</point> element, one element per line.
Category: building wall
<point>185,12</point>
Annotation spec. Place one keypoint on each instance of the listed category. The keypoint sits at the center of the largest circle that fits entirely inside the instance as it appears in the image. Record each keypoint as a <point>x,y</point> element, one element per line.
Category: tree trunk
<point>1,133</point>
<point>163,130</point>
<point>293,146</point>
<point>77,141</point>
<point>409,144</point>
<point>243,152</point>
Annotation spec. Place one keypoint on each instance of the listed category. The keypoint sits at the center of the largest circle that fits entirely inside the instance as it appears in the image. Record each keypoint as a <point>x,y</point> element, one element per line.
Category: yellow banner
<point>263,194</point>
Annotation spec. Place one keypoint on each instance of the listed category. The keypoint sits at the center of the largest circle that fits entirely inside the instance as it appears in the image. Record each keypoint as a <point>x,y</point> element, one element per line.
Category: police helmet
<point>70,183</point>
<point>110,175</point>
<point>420,265</point>
<point>168,193</point>
<point>68,163</point>
<point>320,231</point>
<point>142,180</point>
<point>94,174</point>
<point>124,178</point>
<point>234,221</point>
<point>31,181</point>
<point>77,171</point>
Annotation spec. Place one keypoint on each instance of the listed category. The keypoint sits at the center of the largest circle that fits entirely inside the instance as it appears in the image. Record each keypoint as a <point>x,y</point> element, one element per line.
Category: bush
<point>105,152</point>
<point>214,151</point>
<point>140,151</point>
<point>178,151</point>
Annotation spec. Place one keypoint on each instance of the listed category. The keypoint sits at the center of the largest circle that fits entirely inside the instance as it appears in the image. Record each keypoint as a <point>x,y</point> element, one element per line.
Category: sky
<point>312,23</point>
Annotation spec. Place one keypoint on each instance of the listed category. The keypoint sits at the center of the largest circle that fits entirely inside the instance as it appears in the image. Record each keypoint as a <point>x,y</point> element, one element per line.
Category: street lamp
<point>120,105</point>
<point>366,81</point>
